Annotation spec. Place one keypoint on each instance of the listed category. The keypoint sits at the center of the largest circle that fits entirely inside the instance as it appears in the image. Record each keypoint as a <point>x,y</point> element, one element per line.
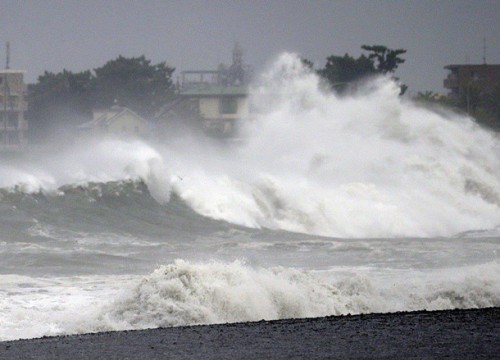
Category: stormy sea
<point>322,205</point>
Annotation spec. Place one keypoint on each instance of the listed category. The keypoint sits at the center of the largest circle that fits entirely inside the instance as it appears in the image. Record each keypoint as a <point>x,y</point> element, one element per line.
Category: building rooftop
<point>108,116</point>
<point>12,71</point>
<point>452,66</point>
<point>216,90</point>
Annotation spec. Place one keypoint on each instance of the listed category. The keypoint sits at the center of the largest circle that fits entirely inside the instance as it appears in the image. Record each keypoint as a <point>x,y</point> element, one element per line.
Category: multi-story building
<point>461,77</point>
<point>13,125</point>
<point>217,99</point>
<point>219,107</point>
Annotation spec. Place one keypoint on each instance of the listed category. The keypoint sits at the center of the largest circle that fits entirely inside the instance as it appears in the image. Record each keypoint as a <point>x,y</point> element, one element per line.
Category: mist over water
<point>322,205</point>
<point>369,164</point>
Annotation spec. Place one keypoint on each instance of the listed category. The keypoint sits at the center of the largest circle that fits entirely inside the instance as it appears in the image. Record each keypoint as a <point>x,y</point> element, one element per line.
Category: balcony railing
<point>14,126</point>
<point>11,148</point>
<point>450,82</point>
<point>14,107</point>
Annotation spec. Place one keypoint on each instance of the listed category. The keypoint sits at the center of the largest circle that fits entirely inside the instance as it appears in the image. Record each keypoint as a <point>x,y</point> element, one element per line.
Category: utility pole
<point>7,56</point>
<point>6,95</point>
<point>484,51</point>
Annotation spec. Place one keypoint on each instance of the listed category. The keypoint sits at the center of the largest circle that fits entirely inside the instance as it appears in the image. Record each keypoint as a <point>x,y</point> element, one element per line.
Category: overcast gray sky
<point>192,34</point>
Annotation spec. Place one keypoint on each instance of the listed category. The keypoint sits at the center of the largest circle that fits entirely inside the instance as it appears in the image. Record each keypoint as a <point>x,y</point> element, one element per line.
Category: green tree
<point>307,64</point>
<point>426,96</point>
<point>387,60</point>
<point>66,98</point>
<point>339,71</point>
<point>135,83</point>
<point>430,98</point>
<point>57,99</point>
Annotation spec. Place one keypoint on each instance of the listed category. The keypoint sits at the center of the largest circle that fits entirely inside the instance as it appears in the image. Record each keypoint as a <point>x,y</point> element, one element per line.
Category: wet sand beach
<point>456,334</point>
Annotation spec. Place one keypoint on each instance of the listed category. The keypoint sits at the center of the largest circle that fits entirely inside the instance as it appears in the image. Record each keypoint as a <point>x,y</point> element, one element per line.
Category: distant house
<point>117,121</point>
<point>13,125</point>
<point>461,77</point>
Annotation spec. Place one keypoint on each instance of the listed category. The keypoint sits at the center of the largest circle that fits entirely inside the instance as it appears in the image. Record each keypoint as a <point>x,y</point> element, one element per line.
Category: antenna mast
<point>7,60</point>
<point>484,51</point>
<point>6,95</point>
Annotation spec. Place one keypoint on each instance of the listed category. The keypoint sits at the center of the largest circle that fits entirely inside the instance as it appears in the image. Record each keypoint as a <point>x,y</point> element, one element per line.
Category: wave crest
<point>369,164</point>
<point>184,293</point>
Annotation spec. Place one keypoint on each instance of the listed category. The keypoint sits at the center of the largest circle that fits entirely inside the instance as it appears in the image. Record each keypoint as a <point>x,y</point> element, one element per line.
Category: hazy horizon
<point>77,36</point>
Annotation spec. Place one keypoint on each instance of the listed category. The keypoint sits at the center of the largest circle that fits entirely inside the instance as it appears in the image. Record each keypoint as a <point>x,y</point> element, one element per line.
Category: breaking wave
<point>367,164</point>
<point>185,293</point>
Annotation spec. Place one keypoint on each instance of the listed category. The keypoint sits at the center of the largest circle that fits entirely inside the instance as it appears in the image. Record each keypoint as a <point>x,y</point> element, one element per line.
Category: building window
<point>12,122</point>
<point>13,138</point>
<point>228,105</point>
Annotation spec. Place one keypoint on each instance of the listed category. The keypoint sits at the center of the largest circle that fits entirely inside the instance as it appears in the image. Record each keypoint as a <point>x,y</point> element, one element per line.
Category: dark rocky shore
<point>455,334</point>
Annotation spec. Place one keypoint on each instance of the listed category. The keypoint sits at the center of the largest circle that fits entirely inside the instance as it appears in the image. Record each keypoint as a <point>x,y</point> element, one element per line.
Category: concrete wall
<point>209,107</point>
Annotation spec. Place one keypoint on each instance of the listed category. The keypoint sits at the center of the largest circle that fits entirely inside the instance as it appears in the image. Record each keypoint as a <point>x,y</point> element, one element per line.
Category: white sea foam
<point>96,161</point>
<point>33,307</point>
<point>369,164</point>
<point>365,165</point>
<point>184,293</point>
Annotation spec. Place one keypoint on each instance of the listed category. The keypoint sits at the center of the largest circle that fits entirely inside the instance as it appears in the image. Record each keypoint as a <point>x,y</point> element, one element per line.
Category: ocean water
<point>323,205</point>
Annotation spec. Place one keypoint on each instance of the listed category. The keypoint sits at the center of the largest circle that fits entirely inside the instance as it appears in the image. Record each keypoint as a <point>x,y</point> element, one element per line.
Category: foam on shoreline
<point>470,333</point>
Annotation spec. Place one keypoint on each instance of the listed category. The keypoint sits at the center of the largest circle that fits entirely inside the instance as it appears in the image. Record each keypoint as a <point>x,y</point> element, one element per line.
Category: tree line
<point>341,72</point>
<point>67,98</point>
<point>483,106</point>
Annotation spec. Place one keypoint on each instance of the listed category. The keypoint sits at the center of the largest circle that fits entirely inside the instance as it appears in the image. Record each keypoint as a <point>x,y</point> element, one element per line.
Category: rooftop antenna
<point>484,51</point>
<point>7,60</point>
<point>6,95</point>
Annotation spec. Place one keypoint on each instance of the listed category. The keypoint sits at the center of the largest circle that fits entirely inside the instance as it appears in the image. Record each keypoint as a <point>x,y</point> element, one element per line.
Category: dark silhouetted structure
<point>461,77</point>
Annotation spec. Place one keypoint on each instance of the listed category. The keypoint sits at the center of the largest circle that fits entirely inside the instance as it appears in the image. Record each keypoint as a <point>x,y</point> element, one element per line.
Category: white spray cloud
<point>185,293</point>
<point>368,164</point>
<point>365,165</point>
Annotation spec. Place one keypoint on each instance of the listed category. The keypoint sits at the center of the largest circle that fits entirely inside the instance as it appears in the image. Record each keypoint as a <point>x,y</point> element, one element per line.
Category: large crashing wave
<point>368,164</point>
<point>185,293</point>
<point>99,161</point>
<point>364,165</point>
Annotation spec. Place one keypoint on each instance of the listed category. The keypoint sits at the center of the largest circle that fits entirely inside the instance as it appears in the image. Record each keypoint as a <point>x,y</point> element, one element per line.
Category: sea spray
<point>88,161</point>
<point>368,164</point>
<point>365,164</point>
<point>84,227</point>
<point>187,293</point>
